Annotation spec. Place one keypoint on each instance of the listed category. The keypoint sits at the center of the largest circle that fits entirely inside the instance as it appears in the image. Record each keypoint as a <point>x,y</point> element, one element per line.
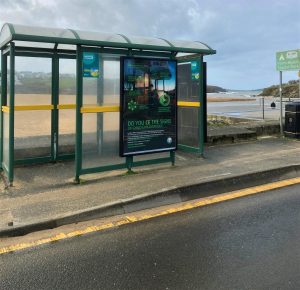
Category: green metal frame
<point>129,49</point>
<point>3,99</point>
<point>129,161</point>
<point>54,112</point>
<point>13,51</point>
<point>11,114</point>
<point>79,95</point>
<point>200,148</point>
<point>201,108</point>
<point>78,41</point>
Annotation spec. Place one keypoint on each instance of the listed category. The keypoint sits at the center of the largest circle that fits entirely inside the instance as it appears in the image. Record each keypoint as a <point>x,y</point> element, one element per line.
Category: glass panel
<point>104,90</point>
<point>111,81</point>
<point>4,35</point>
<point>6,139</point>
<point>67,81</point>
<point>66,46</point>
<point>90,91</point>
<point>188,129</point>
<point>100,36</point>
<point>32,134</point>
<point>43,31</point>
<point>67,95</point>
<point>148,41</point>
<point>34,44</point>
<point>67,125</point>
<point>33,81</point>
<point>100,145</point>
<point>101,130</point>
<point>180,54</point>
<point>188,44</point>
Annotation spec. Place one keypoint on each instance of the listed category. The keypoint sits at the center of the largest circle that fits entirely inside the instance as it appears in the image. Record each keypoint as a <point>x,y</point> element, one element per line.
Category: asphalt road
<point>246,243</point>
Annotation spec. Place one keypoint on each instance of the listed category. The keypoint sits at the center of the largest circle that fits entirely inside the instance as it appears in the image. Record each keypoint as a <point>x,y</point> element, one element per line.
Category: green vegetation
<point>218,122</point>
<point>289,90</point>
<point>40,83</point>
<point>214,89</point>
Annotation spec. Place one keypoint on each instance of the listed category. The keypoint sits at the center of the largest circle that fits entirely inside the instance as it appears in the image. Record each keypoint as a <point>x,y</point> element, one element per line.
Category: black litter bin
<point>292,120</point>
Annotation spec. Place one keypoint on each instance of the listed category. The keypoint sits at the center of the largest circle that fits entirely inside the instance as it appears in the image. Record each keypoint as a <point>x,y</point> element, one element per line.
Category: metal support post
<point>129,163</point>
<point>11,114</point>
<point>100,99</point>
<point>3,100</point>
<point>172,157</point>
<point>280,94</point>
<point>201,108</point>
<point>78,147</point>
<point>54,112</point>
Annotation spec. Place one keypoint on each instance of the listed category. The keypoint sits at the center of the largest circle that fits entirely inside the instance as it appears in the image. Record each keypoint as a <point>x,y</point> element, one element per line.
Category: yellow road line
<point>132,218</point>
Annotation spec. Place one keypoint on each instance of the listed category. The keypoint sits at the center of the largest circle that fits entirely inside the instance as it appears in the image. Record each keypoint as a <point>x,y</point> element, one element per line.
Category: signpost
<point>148,106</point>
<point>286,61</point>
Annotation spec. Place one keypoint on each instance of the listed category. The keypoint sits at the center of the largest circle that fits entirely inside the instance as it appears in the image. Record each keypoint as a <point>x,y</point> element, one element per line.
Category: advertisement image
<point>148,106</point>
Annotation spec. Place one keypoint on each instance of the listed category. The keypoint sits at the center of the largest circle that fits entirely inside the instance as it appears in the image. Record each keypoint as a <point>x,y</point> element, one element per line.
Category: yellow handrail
<point>99,109</point>
<point>66,106</point>
<point>188,104</point>
<point>85,108</point>
<point>28,108</point>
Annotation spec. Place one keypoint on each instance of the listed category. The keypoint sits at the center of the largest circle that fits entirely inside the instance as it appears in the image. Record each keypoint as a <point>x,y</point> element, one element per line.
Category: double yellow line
<point>161,211</point>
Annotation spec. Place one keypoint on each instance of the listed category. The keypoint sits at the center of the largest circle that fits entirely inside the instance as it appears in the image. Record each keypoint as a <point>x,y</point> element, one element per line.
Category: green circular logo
<point>164,100</point>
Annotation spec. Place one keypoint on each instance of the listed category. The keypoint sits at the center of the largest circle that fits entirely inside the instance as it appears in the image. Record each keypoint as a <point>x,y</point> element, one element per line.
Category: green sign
<point>195,69</point>
<point>288,60</point>
<point>90,65</point>
<point>148,106</point>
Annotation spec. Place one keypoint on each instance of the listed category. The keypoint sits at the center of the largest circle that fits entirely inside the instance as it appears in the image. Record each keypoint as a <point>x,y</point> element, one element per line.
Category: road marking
<point>161,211</point>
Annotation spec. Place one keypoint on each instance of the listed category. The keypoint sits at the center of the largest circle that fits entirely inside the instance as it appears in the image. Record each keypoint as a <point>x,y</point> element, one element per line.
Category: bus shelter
<point>94,109</point>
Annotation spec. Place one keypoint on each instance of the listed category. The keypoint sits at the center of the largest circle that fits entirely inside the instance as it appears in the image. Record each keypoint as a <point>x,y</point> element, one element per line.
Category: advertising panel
<point>90,65</point>
<point>195,70</point>
<point>148,120</point>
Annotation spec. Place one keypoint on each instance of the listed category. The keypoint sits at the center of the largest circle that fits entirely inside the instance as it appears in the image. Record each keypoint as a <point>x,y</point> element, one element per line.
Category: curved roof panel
<point>18,32</point>
<point>5,35</point>
<point>100,36</point>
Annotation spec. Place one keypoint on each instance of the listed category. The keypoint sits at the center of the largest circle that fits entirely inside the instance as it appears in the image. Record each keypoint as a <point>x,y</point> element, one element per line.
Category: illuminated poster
<point>148,106</point>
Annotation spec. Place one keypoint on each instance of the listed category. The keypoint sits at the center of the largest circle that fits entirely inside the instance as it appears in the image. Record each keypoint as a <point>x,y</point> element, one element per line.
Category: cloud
<point>246,34</point>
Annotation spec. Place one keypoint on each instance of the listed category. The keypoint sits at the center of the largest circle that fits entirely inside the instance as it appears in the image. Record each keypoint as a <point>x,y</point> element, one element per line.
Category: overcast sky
<point>245,33</point>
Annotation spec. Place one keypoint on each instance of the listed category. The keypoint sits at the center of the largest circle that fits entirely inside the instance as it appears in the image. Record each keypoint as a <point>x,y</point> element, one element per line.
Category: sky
<point>245,33</point>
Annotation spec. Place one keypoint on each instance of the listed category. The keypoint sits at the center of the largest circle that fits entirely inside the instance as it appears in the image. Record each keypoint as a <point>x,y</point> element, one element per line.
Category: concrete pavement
<point>44,196</point>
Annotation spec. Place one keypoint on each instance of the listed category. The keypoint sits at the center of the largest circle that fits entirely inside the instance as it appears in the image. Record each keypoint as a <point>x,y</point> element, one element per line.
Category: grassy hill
<point>40,83</point>
<point>214,89</point>
<point>289,90</point>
